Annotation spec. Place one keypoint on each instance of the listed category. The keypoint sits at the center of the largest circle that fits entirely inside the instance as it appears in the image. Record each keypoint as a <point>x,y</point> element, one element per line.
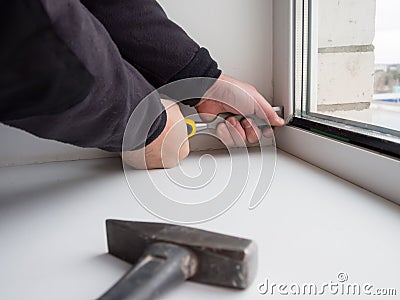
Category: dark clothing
<point>74,72</point>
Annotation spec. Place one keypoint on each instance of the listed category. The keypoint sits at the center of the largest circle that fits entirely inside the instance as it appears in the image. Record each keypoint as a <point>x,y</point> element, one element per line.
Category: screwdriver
<point>194,127</point>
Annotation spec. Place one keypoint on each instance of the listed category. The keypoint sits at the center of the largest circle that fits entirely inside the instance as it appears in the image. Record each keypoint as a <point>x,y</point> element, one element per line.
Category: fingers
<point>253,133</point>
<point>230,136</point>
<point>232,95</point>
<point>264,110</point>
<point>268,132</point>
<point>224,135</point>
<point>238,134</point>
<point>231,133</point>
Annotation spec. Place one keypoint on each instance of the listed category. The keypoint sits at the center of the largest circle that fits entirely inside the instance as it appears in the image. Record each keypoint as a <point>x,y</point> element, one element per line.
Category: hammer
<point>166,255</point>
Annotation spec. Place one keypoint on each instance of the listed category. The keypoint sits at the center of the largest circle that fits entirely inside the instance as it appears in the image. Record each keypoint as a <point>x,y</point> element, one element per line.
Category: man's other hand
<point>168,149</point>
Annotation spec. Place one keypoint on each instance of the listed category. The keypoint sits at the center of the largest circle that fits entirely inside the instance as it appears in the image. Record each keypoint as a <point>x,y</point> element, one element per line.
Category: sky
<point>387,35</point>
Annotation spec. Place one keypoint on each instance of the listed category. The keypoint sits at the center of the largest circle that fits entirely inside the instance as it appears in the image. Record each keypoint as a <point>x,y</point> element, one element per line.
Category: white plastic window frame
<point>372,171</point>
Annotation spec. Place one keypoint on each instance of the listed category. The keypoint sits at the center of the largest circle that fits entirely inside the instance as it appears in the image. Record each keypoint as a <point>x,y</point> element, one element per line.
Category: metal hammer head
<point>222,260</point>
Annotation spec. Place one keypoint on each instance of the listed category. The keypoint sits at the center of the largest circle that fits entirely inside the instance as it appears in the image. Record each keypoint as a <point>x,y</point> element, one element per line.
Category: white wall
<point>18,147</point>
<point>237,33</point>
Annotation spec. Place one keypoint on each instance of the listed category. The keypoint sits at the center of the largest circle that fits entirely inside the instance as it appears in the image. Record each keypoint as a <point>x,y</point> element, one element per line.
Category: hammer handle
<point>161,267</point>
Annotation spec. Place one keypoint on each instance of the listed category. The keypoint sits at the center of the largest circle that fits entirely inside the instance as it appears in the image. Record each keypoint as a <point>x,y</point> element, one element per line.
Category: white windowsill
<point>372,171</point>
<point>311,226</point>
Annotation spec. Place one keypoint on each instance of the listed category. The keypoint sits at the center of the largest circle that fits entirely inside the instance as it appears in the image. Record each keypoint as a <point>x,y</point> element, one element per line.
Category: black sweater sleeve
<point>152,43</point>
<point>63,78</point>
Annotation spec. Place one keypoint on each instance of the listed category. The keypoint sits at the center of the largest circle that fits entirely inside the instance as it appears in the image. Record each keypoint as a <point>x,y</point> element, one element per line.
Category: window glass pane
<point>355,61</point>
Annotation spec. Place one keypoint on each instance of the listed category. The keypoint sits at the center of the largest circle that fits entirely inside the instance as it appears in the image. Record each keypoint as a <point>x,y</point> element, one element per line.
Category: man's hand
<point>231,95</point>
<point>168,149</point>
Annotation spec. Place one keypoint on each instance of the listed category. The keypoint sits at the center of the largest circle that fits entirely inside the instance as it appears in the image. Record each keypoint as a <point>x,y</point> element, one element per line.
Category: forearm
<point>151,42</point>
<point>97,87</point>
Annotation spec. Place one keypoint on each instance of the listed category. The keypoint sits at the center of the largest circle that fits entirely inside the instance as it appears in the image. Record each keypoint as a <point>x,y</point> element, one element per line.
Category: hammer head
<point>222,260</point>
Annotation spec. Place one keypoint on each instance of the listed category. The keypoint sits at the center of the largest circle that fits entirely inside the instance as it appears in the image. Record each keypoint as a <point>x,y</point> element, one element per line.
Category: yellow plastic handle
<point>191,127</point>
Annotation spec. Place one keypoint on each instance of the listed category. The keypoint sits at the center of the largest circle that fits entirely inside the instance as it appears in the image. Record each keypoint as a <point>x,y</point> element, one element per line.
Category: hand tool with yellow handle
<point>194,127</point>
